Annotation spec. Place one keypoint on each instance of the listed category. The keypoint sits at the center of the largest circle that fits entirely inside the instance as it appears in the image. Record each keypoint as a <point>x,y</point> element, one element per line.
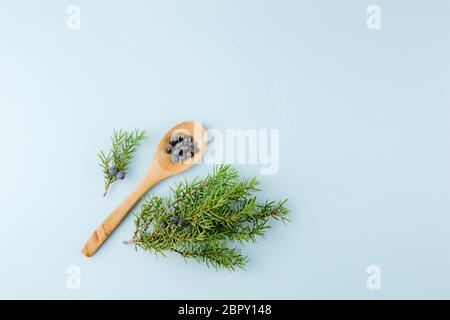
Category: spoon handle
<point>113,220</point>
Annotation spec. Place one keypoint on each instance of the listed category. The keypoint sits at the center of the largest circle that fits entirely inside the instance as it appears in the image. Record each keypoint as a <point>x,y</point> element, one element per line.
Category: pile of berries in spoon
<point>181,147</point>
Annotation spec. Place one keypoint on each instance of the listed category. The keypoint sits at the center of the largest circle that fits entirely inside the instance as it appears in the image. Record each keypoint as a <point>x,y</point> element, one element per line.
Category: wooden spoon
<point>161,168</point>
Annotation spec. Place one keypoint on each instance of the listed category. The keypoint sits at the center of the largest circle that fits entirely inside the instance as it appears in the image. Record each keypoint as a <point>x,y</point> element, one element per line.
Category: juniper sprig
<point>202,219</point>
<point>115,163</point>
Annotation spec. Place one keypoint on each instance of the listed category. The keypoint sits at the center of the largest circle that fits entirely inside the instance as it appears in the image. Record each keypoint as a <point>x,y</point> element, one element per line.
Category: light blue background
<point>365,140</point>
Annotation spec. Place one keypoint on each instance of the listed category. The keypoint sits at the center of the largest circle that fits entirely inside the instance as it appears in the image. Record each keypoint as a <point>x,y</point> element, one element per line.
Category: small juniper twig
<point>115,163</point>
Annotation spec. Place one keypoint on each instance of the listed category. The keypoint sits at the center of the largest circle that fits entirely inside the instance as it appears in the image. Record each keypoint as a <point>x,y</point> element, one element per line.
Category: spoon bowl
<point>162,161</point>
<point>161,168</point>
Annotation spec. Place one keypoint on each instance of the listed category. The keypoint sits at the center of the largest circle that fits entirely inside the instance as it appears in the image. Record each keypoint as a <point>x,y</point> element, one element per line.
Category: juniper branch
<point>202,218</point>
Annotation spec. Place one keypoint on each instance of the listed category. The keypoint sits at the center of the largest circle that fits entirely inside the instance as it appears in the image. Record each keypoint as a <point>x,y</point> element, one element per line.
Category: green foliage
<point>213,213</point>
<point>121,153</point>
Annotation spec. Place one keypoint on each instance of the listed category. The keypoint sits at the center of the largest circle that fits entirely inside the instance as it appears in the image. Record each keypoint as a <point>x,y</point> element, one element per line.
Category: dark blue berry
<point>120,175</point>
<point>163,224</point>
<point>174,158</point>
<point>176,138</point>
<point>186,150</point>
<point>175,220</point>
<point>113,170</point>
<point>183,223</point>
<point>173,141</point>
